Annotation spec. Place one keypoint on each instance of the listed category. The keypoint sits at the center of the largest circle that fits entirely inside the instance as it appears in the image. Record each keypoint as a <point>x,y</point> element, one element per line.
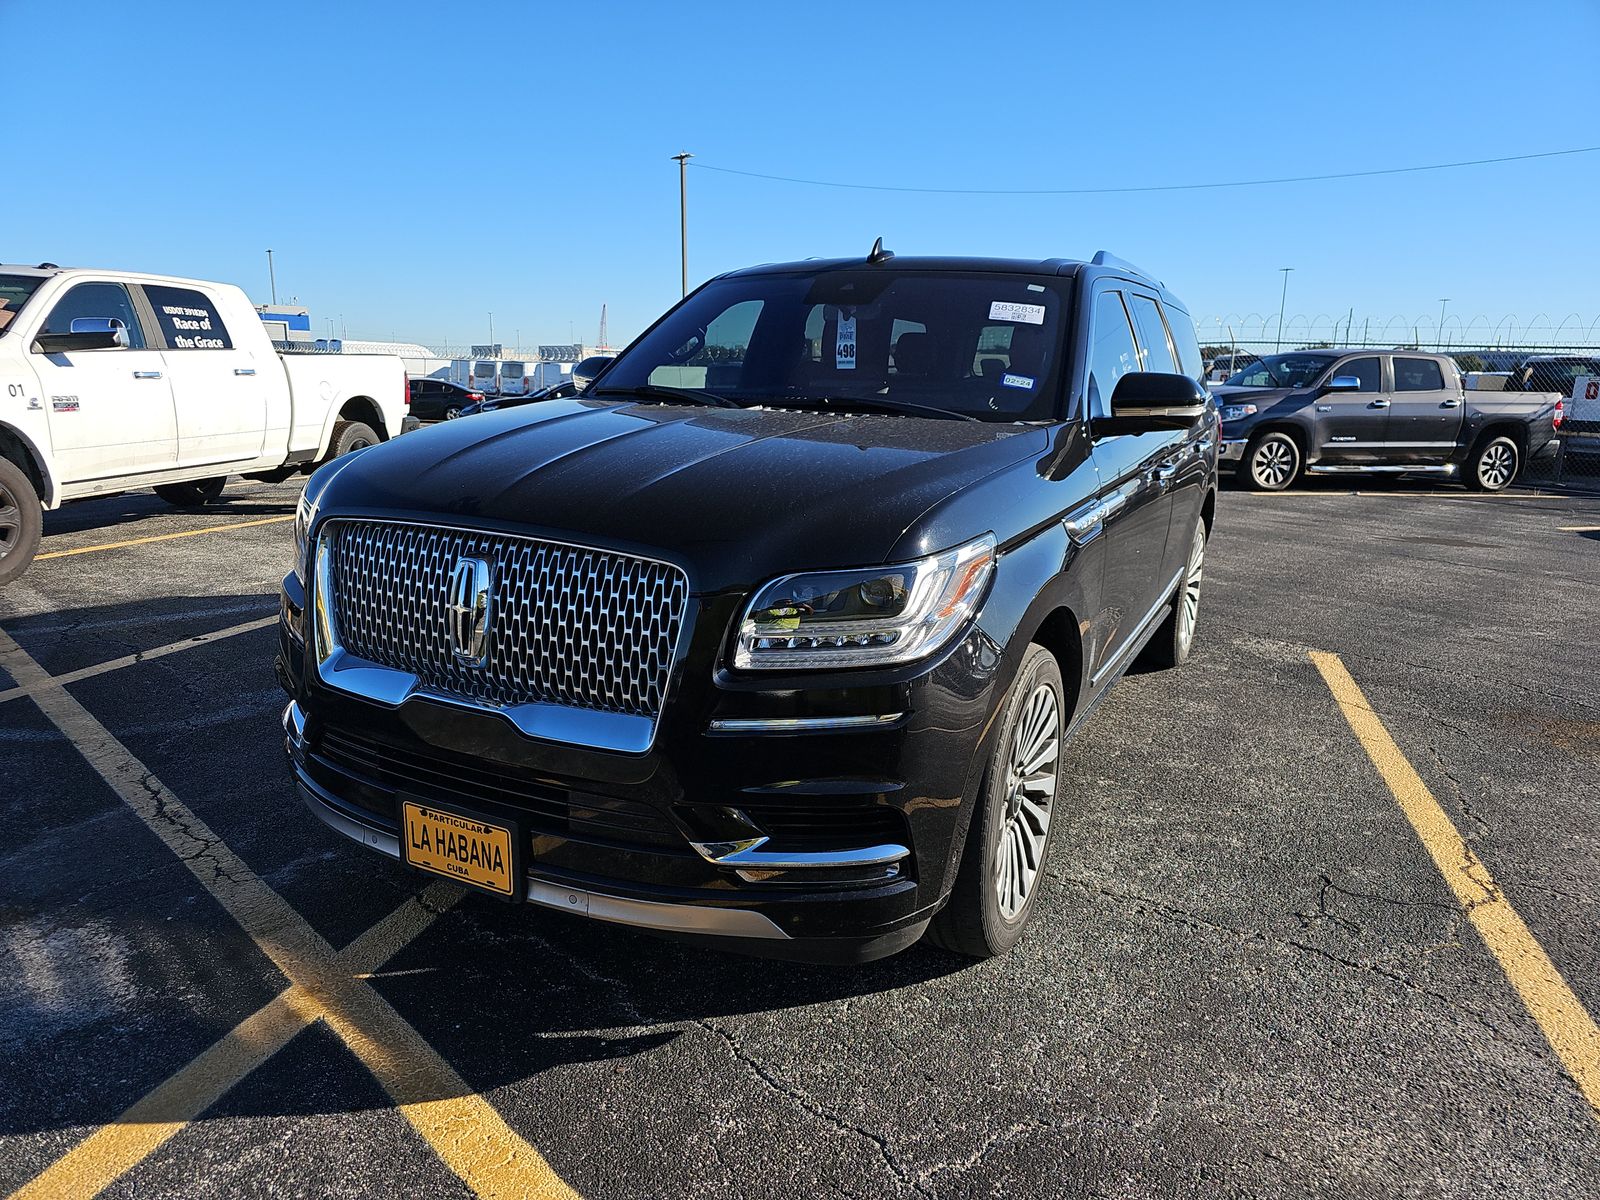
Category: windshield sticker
<point>1025,314</point>
<point>1018,381</point>
<point>844,350</point>
<point>1036,287</point>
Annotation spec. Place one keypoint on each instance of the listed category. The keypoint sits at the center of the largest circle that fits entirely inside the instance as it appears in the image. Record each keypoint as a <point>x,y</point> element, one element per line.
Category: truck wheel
<point>1271,462</point>
<point>196,494</point>
<point>1174,641</point>
<point>1003,867</point>
<point>21,521</point>
<point>350,436</point>
<point>1493,465</point>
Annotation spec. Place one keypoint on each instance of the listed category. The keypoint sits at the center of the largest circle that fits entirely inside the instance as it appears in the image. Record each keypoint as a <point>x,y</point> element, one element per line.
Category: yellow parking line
<point>1568,1028</point>
<point>465,1131</point>
<point>1580,529</point>
<point>115,1149</point>
<point>162,537</point>
<point>144,656</point>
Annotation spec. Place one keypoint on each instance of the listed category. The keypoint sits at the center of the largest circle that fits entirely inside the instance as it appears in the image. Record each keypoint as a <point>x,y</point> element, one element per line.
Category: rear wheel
<point>1493,465</point>
<point>197,493</point>
<point>21,521</point>
<point>1271,462</point>
<point>1003,868</point>
<point>350,436</point>
<point>451,413</point>
<point>1172,643</point>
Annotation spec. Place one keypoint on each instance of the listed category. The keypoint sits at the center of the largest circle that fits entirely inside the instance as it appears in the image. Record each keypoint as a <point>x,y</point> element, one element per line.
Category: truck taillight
<point>1560,413</point>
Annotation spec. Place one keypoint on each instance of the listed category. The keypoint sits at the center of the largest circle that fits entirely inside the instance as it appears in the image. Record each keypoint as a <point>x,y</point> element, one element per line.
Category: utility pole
<point>683,214</point>
<point>491,331</point>
<point>1282,300</point>
<point>1442,303</point>
<point>273,278</point>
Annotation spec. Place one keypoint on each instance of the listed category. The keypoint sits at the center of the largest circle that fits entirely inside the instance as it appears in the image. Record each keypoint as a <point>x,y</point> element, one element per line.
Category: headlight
<point>872,617</point>
<point>1237,412</point>
<point>305,512</point>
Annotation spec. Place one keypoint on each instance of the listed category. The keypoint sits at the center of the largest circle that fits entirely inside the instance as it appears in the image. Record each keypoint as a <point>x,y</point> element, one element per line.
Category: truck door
<point>220,390</point>
<point>110,411</point>
<point>1425,418</point>
<point>1134,506</point>
<point>1351,425</point>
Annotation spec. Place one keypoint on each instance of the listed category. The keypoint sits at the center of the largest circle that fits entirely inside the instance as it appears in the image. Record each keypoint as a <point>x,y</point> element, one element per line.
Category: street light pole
<point>683,214</point>
<point>1282,300</point>
<point>491,333</point>
<point>273,277</point>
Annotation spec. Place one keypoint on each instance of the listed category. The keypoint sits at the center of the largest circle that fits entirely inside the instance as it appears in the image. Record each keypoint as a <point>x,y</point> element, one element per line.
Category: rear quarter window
<point>188,319</point>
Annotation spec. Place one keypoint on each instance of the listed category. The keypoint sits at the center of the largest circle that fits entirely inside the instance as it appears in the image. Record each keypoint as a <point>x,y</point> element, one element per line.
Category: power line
<point>1167,187</point>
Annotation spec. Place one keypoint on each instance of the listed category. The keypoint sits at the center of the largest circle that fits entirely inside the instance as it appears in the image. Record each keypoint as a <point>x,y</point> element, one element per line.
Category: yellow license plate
<point>465,849</point>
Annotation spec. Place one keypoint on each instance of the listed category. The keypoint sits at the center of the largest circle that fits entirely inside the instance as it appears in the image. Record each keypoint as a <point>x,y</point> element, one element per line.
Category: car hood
<point>1260,397</point>
<point>734,495</point>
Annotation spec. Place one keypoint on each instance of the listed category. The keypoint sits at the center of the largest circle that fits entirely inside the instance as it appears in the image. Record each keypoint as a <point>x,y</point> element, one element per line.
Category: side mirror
<point>1147,400</point>
<point>1343,383</point>
<point>85,333</point>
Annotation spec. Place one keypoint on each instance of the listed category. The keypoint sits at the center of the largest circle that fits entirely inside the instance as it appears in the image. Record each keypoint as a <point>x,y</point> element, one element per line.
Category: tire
<point>1271,462</point>
<point>21,521</point>
<point>1494,465</point>
<point>1174,641</point>
<point>197,493</point>
<point>995,892</point>
<point>451,413</point>
<point>350,436</point>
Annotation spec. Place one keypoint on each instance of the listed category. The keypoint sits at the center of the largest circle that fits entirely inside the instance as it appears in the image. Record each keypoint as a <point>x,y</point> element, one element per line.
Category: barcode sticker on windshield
<point>1025,314</point>
<point>844,350</point>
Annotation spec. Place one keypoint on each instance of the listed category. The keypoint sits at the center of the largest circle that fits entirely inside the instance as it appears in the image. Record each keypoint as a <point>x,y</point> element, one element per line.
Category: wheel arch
<point>366,410</point>
<point>18,448</point>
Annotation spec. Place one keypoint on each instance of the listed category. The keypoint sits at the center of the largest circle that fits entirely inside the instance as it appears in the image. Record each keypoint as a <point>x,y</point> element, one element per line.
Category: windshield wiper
<point>875,403</point>
<point>657,391</point>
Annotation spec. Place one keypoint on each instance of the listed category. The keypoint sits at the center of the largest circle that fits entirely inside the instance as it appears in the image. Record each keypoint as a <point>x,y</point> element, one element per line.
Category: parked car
<point>440,400</point>
<point>1551,373</point>
<point>1358,411</point>
<point>111,380</point>
<point>1223,365</point>
<point>776,635</point>
<point>583,374</point>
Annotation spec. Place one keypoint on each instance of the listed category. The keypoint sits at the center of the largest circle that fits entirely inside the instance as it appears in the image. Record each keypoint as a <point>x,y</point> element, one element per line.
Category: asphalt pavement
<point>1251,973</point>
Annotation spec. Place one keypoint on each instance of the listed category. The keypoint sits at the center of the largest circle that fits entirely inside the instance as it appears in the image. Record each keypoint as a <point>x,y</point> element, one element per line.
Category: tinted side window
<point>96,300</point>
<point>1112,353</point>
<point>1417,375</point>
<point>188,319</point>
<point>1186,343</point>
<point>1154,347</point>
<point>1368,370</point>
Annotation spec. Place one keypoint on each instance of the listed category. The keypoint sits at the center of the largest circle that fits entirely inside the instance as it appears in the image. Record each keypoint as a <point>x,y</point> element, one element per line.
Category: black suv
<point>776,635</point>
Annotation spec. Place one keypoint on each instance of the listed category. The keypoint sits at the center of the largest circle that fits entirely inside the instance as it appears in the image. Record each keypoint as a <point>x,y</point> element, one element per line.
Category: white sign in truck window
<point>844,350</point>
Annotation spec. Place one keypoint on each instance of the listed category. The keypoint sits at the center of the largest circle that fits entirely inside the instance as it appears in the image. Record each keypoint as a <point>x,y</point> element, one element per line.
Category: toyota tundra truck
<point>111,380</point>
<point>776,634</point>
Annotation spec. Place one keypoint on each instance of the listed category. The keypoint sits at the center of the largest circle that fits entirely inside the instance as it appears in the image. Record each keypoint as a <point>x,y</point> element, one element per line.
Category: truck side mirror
<point>85,333</point>
<point>1344,383</point>
<point>1148,400</point>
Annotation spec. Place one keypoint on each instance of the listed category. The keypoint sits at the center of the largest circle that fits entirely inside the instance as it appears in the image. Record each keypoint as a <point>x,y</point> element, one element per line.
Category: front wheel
<point>1003,868</point>
<point>1271,462</point>
<point>196,493</point>
<point>1493,465</point>
<point>21,521</point>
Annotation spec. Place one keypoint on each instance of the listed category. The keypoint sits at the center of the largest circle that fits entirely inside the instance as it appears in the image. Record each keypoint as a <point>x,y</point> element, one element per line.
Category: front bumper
<point>816,823</point>
<point>1232,449</point>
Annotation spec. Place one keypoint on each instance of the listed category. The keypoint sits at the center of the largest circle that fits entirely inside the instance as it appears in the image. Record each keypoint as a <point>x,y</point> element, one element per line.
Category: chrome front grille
<point>569,626</point>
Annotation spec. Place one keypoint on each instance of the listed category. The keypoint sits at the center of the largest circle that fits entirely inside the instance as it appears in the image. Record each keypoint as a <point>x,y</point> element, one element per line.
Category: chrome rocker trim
<point>800,724</point>
<point>645,914</point>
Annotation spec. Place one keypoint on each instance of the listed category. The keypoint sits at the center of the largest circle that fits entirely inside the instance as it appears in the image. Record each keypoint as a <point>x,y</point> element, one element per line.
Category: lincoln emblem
<point>468,609</point>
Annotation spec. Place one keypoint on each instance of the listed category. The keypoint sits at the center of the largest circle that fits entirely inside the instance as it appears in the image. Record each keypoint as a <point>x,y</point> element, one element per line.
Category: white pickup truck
<point>111,380</point>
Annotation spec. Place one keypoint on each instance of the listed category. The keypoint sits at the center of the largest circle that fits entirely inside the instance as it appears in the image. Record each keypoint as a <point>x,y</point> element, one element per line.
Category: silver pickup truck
<point>1336,411</point>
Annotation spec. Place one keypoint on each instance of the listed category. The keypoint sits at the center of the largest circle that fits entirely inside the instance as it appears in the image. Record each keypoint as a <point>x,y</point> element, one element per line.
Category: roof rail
<point>1104,258</point>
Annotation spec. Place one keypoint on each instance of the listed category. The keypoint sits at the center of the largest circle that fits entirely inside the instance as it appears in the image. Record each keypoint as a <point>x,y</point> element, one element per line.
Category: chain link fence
<point>1544,396</point>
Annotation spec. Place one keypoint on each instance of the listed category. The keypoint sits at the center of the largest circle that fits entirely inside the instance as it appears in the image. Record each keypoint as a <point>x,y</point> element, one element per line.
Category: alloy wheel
<point>1498,464</point>
<point>10,522</point>
<point>1189,601</point>
<point>1274,463</point>
<point>1030,789</point>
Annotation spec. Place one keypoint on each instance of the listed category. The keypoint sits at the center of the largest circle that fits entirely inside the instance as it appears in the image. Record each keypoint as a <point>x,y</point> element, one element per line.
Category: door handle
<point>1379,404</point>
<point>1165,472</point>
<point>147,374</point>
<point>1451,404</point>
<point>244,370</point>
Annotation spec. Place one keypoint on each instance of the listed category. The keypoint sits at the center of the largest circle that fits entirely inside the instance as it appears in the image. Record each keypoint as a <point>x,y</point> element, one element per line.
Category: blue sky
<point>416,166</point>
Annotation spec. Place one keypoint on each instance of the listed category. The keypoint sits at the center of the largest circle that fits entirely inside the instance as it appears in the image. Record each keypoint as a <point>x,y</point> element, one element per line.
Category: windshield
<point>1282,371</point>
<point>15,291</point>
<point>986,345</point>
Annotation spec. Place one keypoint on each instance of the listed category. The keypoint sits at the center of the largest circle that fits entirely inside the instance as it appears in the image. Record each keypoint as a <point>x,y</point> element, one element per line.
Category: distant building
<point>286,322</point>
